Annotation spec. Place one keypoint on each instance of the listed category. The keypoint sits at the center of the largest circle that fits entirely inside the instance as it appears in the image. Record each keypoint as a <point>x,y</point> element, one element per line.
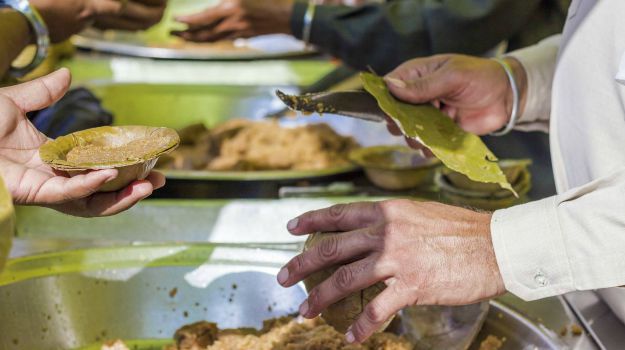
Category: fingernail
<point>303,309</point>
<point>283,275</point>
<point>292,225</point>
<point>396,82</point>
<point>349,337</point>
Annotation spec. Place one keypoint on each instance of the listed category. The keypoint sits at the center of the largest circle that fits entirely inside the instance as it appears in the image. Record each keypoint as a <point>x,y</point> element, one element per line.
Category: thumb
<point>41,92</point>
<point>420,90</point>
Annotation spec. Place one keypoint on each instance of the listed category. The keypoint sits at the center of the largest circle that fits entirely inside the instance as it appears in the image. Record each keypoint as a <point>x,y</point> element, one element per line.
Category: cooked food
<point>132,150</point>
<point>283,333</point>
<point>344,312</point>
<point>245,145</point>
<point>98,153</point>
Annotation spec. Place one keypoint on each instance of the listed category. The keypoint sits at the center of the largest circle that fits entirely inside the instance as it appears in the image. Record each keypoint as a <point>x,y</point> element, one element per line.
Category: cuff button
<point>540,278</point>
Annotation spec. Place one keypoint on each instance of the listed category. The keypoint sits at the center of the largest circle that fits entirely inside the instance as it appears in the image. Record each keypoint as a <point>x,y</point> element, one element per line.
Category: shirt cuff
<point>539,62</point>
<point>530,250</point>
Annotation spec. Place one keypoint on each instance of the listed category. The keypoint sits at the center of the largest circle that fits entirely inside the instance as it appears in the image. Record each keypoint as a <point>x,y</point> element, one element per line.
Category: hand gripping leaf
<point>457,149</point>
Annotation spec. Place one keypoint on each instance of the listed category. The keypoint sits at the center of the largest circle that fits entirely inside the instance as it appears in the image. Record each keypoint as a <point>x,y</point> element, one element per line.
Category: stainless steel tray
<point>268,47</point>
<point>75,298</point>
<point>80,297</point>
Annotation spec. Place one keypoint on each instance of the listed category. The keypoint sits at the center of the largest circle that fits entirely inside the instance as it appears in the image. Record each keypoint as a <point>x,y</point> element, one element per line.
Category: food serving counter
<point>221,221</point>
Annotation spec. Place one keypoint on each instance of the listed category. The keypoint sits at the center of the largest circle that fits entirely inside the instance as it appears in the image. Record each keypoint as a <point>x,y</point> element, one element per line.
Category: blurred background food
<point>241,144</point>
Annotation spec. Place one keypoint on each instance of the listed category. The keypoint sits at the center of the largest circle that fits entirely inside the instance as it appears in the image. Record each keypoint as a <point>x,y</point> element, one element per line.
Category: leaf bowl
<point>132,150</point>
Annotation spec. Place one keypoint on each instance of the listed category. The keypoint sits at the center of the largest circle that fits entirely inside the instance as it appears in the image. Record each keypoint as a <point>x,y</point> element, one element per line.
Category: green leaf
<point>457,149</point>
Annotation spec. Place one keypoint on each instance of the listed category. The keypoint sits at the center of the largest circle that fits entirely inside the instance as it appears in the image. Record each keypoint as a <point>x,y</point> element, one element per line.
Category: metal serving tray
<point>79,298</point>
<point>147,291</point>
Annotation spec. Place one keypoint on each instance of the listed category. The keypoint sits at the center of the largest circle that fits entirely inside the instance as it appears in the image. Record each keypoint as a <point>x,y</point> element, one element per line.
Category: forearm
<point>15,35</point>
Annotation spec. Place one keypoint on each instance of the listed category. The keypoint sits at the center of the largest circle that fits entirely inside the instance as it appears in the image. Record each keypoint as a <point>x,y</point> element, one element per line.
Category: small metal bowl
<point>512,168</point>
<point>131,165</point>
<point>395,167</point>
<point>486,196</point>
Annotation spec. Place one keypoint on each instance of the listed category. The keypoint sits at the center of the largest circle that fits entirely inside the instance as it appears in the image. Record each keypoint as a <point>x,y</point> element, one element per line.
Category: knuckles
<point>328,248</point>
<point>374,313</point>
<point>337,212</point>
<point>343,278</point>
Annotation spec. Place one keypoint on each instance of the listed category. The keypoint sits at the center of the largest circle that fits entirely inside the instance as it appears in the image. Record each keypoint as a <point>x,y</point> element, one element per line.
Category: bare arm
<point>15,35</point>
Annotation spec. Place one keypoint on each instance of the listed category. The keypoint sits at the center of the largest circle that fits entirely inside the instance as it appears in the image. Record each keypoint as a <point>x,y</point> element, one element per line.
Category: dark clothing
<point>382,36</point>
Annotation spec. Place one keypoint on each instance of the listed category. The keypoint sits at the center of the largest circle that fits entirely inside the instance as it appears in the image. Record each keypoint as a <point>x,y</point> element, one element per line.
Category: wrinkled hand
<point>233,19</point>
<point>68,17</point>
<point>30,181</point>
<point>475,92</point>
<point>426,253</point>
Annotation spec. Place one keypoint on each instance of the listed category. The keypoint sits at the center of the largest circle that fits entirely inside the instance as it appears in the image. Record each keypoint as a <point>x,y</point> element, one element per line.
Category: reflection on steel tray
<point>264,175</point>
<point>141,45</point>
<point>147,291</point>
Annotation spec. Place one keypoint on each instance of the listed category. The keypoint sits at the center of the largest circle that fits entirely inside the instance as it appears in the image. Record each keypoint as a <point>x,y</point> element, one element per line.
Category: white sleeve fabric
<point>539,62</point>
<point>572,241</point>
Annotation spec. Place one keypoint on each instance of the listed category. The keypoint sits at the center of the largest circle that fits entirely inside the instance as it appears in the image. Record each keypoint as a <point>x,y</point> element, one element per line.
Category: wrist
<point>499,286</point>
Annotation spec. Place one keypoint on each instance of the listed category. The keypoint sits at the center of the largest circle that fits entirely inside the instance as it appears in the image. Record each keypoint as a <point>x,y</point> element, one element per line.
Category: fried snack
<point>245,145</point>
<point>283,334</point>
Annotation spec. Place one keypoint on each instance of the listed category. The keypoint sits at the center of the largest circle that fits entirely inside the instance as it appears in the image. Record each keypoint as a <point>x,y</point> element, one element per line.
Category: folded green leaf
<point>457,149</point>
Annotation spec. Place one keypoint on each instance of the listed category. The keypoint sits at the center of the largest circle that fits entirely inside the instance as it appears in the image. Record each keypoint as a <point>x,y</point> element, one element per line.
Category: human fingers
<point>375,314</point>
<point>111,203</point>
<point>60,189</point>
<point>420,80</point>
<point>39,93</point>
<point>146,15</point>
<point>332,250</point>
<point>202,35</point>
<point>346,280</point>
<point>208,17</point>
<point>337,218</point>
<point>105,7</point>
<point>392,127</point>
<point>157,179</point>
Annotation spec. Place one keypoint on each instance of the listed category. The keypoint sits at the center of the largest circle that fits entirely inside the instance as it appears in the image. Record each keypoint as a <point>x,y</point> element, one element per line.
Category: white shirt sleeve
<point>539,62</point>
<point>572,241</point>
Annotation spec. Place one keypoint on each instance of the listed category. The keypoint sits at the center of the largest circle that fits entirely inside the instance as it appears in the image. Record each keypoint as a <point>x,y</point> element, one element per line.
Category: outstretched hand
<point>425,253</point>
<point>231,19</point>
<point>31,181</point>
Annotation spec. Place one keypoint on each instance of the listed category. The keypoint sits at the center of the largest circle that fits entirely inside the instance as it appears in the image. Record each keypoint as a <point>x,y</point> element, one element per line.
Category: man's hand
<point>426,253</point>
<point>30,181</point>
<point>475,92</point>
<point>68,17</point>
<point>233,19</point>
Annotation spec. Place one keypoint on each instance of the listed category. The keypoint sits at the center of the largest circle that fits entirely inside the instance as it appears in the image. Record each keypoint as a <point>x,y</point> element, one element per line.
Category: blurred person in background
<point>383,35</point>
<point>64,18</point>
